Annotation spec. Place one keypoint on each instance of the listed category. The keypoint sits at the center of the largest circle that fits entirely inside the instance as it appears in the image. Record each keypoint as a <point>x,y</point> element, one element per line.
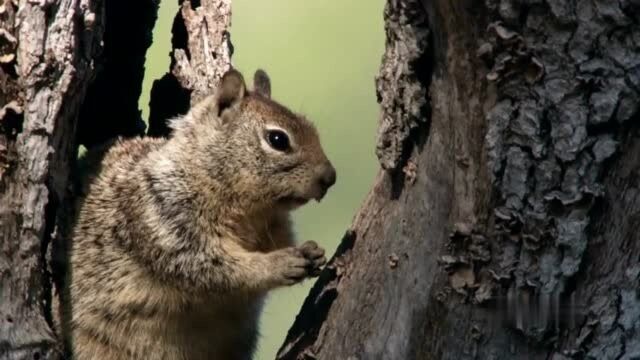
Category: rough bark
<point>201,55</point>
<point>46,61</point>
<point>502,225</point>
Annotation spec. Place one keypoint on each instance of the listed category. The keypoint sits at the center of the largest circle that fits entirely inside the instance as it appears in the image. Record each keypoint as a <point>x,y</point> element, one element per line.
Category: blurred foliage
<point>322,57</point>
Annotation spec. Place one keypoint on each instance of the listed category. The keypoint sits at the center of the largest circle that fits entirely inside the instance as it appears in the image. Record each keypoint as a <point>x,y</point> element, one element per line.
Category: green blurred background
<point>322,57</point>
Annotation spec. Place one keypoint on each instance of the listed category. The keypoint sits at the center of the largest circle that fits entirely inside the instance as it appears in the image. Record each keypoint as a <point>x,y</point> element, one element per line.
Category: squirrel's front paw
<point>315,254</point>
<point>293,264</point>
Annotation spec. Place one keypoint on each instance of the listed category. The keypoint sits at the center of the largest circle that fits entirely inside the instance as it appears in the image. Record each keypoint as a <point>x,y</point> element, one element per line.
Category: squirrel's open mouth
<point>294,201</point>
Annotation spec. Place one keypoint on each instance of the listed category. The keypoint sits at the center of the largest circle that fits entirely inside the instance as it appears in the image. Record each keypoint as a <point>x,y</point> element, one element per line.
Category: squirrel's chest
<point>226,327</point>
<point>268,234</point>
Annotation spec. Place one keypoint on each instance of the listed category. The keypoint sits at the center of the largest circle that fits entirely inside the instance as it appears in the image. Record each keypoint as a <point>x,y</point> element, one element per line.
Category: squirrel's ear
<point>262,83</point>
<point>232,89</point>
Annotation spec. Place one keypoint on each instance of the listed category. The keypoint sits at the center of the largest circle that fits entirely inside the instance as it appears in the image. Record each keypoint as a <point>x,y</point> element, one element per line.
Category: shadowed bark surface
<point>111,105</point>
<point>502,225</point>
<point>46,62</point>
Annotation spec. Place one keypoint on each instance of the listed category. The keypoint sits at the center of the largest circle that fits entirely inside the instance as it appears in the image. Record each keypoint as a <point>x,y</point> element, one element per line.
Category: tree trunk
<point>46,62</point>
<point>503,224</point>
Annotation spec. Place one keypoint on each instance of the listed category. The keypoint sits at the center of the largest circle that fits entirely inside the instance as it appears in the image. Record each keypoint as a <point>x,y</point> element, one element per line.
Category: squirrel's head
<point>261,149</point>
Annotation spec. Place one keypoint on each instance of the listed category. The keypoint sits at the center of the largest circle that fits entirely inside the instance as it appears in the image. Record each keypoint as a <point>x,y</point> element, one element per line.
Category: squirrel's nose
<point>327,177</point>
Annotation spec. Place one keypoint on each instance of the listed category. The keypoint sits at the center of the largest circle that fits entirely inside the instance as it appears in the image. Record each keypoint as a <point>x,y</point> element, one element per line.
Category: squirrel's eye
<point>278,140</point>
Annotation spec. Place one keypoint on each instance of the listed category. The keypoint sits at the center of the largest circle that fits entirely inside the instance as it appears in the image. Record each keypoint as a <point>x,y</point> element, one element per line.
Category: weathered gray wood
<point>513,188</point>
<point>201,55</point>
<point>47,51</point>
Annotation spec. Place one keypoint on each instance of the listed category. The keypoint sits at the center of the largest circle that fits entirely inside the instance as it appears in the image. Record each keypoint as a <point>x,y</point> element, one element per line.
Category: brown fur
<point>177,241</point>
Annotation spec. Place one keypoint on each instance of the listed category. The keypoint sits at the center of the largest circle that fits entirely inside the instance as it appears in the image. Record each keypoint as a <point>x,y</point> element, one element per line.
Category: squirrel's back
<point>145,318</point>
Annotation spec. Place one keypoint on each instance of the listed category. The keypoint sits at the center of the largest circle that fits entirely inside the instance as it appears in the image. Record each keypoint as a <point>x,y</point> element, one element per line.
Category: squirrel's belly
<point>220,331</point>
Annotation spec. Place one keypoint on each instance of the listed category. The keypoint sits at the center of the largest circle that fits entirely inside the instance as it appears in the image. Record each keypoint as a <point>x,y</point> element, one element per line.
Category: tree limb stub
<point>201,55</point>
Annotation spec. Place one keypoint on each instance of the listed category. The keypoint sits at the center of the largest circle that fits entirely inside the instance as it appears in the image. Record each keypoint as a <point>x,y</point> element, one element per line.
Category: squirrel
<point>177,241</point>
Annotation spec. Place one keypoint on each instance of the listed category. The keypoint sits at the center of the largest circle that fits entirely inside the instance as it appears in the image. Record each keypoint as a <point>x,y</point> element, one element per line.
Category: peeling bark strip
<point>516,236</point>
<point>46,54</point>
<point>201,55</point>
<point>400,86</point>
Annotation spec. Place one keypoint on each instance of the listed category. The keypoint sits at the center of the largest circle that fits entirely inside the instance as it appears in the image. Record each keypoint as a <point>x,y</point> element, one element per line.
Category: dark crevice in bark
<point>168,99</point>
<point>179,36</point>
<point>8,72</point>
<point>227,35</point>
<point>11,123</point>
<point>50,215</point>
<point>314,311</point>
<point>423,67</point>
<point>111,105</point>
<point>404,126</point>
